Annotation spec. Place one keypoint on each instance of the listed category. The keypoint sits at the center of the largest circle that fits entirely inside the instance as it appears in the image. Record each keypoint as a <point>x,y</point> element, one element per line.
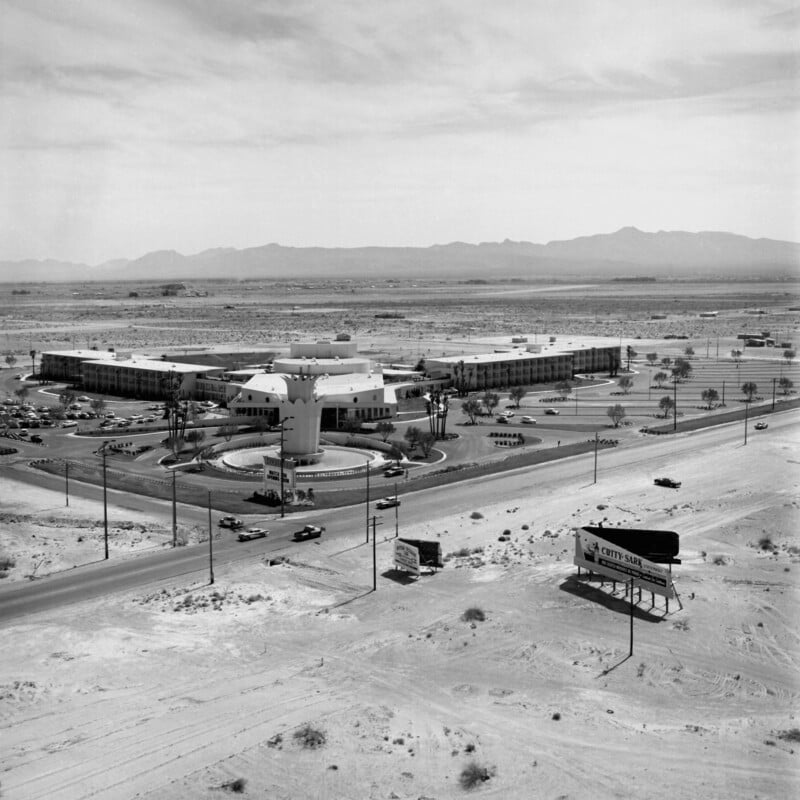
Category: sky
<point>129,126</point>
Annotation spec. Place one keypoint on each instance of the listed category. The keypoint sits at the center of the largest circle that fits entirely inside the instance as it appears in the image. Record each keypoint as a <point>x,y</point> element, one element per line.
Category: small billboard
<point>406,556</point>
<point>599,555</point>
<point>430,552</point>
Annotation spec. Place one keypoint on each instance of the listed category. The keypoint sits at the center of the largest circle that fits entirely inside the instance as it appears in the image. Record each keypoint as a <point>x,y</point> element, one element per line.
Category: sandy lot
<point>297,682</point>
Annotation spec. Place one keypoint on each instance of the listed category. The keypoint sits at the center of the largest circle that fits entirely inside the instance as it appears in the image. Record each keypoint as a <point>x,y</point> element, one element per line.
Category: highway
<point>641,458</point>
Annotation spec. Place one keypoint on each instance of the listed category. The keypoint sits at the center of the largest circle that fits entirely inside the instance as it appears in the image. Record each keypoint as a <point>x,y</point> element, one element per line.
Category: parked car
<point>668,482</point>
<point>231,522</point>
<point>761,426</point>
<point>503,419</point>
<point>393,472</point>
<point>36,439</point>
<point>552,411</point>
<point>387,502</point>
<point>527,420</point>
<point>308,532</point>
<point>83,398</point>
<point>69,423</point>
<point>508,414</point>
<point>23,431</point>
<point>252,533</point>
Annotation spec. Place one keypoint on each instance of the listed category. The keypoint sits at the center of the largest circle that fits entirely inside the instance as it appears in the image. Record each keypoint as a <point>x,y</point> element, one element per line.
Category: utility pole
<point>723,393</point>
<point>210,544</point>
<point>746,409</point>
<point>773,393</point>
<point>66,480</point>
<point>174,510</point>
<point>367,503</point>
<point>396,514</point>
<point>596,442</point>
<point>105,496</point>
<point>375,523</point>
<point>675,405</point>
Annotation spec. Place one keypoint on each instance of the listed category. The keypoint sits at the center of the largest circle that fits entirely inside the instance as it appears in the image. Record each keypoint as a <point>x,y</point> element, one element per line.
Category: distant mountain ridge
<point>627,252</point>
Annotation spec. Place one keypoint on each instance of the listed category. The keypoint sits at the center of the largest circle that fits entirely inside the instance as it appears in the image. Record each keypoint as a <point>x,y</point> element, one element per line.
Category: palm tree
<point>750,389</point>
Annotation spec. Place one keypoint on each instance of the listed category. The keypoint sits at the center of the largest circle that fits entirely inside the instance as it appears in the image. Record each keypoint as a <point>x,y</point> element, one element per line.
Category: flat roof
<point>159,366</point>
<point>96,355</point>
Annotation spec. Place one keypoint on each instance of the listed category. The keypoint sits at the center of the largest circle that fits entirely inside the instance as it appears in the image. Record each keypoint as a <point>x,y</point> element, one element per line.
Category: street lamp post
<point>174,509</point>
<point>105,496</point>
<point>281,423</point>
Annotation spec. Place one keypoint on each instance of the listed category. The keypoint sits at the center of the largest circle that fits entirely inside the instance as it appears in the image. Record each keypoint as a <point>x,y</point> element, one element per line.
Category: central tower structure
<point>304,404</point>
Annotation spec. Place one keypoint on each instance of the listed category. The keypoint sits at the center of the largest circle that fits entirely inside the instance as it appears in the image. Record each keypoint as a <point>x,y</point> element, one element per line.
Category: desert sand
<point>295,681</point>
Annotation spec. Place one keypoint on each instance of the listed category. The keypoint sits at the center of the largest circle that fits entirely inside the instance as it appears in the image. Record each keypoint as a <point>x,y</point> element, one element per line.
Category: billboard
<point>659,546</point>
<point>406,556</point>
<point>430,553</point>
<point>599,555</point>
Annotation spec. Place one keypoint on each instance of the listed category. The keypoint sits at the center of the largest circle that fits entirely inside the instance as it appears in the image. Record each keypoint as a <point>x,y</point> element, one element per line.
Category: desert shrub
<point>236,786</point>
<point>473,614</point>
<point>525,527</point>
<point>462,553</point>
<point>792,735</point>
<point>557,716</point>
<point>309,737</point>
<point>476,515</point>
<point>470,748</point>
<point>472,775</point>
<point>719,561</point>
<point>506,532</point>
<point>765,543</point>
<point>6,562</point>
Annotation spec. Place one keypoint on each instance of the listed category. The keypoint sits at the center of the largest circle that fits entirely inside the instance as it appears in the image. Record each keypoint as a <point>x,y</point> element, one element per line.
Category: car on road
<point>503,419</point>
<point>393,472</point>
<point>252,533</point>
<point>69,423</point>
<point>668,482</point>
<point>83,398</point>
<point>552,411</point>
<point>231,522</point>
<point>761,426</point>
<point>387,502</point>
<point>308,532</point>
<point>527,420</point>
<point>23,432</point>
<point>507,414</point>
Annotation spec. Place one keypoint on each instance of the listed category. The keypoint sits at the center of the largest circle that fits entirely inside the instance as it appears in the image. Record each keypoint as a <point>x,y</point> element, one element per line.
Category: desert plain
<point>502,674</point>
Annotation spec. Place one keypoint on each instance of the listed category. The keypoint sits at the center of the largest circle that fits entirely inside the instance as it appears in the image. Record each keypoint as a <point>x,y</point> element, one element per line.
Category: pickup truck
<point>231,522</point>
<point>308,532</point>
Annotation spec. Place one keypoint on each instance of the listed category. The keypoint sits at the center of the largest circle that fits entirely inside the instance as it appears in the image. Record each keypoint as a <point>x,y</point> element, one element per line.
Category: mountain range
<point>626,253</point>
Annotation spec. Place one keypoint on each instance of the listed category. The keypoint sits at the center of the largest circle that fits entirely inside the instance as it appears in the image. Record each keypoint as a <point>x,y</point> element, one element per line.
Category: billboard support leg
<point>630,653</point>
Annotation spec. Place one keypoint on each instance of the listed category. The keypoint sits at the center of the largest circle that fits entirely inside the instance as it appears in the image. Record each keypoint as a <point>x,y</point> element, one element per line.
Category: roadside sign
<point>599,555</point>
<point>406,557</point>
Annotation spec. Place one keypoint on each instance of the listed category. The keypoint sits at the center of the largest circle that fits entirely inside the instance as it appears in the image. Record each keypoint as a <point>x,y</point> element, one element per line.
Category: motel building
<point>67,365</point>
<point>344,385</point>
<point>517,366</point>
<point>144,378</point>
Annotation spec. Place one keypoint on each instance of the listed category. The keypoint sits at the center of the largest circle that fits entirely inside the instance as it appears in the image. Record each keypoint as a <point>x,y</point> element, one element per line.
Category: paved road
<point>646,456</point>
